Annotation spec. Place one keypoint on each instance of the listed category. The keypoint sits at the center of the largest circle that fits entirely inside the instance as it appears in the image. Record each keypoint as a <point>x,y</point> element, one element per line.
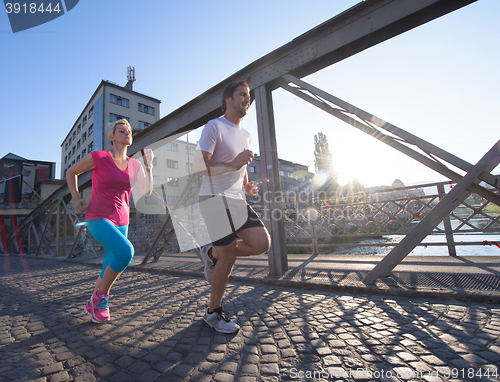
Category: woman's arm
<point>86,164</point>
<point>145,174</point>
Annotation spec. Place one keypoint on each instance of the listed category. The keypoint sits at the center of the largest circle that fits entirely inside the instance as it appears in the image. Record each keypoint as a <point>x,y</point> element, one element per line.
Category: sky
<point>439,81</point>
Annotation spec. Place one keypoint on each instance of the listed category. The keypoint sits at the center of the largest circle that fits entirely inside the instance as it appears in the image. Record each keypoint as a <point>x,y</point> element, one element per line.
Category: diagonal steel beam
<point>318,97</point>
<point>185,200</point>
<point>456,196</point>
<point>404,135</point>
<point>362,26</point>
<point>366,24</point>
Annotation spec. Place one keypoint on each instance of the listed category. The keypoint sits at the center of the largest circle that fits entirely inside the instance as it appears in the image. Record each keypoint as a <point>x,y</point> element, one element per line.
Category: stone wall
<point>143,235</point>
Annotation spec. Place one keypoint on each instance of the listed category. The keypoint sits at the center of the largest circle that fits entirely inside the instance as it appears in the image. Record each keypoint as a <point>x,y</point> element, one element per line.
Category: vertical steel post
<point>58,223</point>
<point>271,185</point>
<point>452,251</point>
<point>445,206</point>
<point>64,230</point>
<point>314,237</point>
<point>312,220</point>
<point>28,232</point>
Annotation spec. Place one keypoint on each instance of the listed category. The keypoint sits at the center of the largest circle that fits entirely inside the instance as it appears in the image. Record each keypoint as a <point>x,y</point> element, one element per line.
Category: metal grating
<point>405,280</point>
<point>454,281</point>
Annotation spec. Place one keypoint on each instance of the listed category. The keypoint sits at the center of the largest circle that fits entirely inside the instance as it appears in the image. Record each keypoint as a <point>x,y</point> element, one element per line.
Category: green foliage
<point>492,208</point>
<point>323,163</point>
<point>322,154</point>
<point>299,250</point>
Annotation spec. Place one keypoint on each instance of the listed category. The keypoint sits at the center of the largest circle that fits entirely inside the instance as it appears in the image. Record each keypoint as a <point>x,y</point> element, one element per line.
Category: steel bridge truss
<point>360,27</point>
<point>47,225</point>
<point>428,154</point>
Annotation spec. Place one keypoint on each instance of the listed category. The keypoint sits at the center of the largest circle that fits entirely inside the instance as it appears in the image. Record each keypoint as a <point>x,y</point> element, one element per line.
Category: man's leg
<point>226,257</point>
<point>254,241</point>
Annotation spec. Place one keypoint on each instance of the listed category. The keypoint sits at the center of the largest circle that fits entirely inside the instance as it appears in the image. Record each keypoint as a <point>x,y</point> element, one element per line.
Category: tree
<point>322,154</point>
<point>353,187</point>
<point>323,164</point>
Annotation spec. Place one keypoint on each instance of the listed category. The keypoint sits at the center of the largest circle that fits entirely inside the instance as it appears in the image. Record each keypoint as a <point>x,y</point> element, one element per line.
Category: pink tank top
<point>111,188</point>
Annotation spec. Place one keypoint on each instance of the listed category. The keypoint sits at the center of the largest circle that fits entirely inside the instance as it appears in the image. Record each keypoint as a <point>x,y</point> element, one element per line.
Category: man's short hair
<point>229,91</point>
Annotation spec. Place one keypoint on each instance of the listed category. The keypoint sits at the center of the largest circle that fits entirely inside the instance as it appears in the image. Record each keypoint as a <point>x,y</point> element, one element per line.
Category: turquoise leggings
<point>118,250</point>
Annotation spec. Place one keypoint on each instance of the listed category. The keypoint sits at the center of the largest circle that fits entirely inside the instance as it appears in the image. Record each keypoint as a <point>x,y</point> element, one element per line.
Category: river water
<point>429,250</point>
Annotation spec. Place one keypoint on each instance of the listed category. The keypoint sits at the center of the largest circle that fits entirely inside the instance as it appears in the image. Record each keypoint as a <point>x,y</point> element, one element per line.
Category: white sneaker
<point>209,263</point>
<point>220,321</point>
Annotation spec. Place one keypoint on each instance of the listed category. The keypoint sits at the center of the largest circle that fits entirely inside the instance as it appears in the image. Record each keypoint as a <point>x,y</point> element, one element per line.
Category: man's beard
<point>242,111</point>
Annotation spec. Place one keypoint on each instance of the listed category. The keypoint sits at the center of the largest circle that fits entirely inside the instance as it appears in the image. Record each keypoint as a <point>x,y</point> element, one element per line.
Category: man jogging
<point>222,156</point>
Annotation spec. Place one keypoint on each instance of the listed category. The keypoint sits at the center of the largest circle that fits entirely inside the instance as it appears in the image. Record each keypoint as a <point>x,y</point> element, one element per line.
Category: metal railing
<point>323,223</point>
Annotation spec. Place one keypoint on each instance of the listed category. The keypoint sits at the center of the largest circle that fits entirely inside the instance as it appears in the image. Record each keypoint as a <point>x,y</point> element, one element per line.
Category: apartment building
<point>172,167</point>
<point>294,177</point>
<point>109,103</point>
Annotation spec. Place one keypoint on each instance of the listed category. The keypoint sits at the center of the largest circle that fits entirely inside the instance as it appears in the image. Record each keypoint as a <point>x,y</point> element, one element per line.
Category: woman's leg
<point>118,253</point>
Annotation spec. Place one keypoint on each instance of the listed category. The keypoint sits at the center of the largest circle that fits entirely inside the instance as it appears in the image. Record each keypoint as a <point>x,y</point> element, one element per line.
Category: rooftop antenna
<point>130,77</point>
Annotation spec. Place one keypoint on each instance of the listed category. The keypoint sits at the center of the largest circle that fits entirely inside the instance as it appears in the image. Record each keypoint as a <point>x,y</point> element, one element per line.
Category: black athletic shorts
<point>225,217</point>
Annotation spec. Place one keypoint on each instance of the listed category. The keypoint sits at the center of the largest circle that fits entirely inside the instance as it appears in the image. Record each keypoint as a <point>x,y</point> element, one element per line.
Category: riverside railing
<point>323,223</point>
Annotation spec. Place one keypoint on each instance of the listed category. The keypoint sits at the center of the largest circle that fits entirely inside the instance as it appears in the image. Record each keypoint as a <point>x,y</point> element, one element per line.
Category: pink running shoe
<point>88,308</point>
<point>97,307</point>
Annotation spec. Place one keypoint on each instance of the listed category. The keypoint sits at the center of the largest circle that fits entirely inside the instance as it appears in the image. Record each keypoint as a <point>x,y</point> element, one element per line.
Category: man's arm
<point>245,178</point>
<point>203,163</point>
<point>249,187</point>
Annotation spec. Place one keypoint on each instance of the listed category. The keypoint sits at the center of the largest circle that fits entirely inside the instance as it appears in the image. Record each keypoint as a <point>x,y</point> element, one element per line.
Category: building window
<point>73,151</point>
<point>189,167</point>
<point>191,150</point>
<point>143,125</point>
<point>84,152</point>
<point>69,154</point>
<point>152,219</point>
<point>251,169</point>
<point>91,112</point>
<point>78,144</point>
<point>84,121</point>
<point>117,117</point>
<point>118,100</point>
<point>74,135</point>
<point>172,164</point>
<point>171,146</point>
<point>91,129</point>
<point>66,146</point>
<point>78,158</point>
<point>155,180</point>
<point>173,182</point>
<point>290,174</point>
<point>73,163</point>
<point>65,159</point>
<point>172,199</point>
<point>69,140</point>
<point>84,137</point>
<point>146,109</point>
<point>91,146</point>
<point>155,161</point>
<point>79,127</point>
<point>282,173</point>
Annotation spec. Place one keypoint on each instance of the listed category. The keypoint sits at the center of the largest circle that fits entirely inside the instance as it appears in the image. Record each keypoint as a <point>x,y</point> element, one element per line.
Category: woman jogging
<point>107,215</point>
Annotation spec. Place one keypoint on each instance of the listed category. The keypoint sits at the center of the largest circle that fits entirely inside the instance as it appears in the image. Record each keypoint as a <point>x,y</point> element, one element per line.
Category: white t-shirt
<point>224,140</point>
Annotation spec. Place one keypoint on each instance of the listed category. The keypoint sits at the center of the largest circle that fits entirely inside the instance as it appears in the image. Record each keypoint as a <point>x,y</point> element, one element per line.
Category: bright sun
<point>351,168</point>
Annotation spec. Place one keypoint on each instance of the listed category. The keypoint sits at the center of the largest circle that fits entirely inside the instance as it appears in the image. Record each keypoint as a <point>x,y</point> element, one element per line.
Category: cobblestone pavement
<point>157,332</point>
